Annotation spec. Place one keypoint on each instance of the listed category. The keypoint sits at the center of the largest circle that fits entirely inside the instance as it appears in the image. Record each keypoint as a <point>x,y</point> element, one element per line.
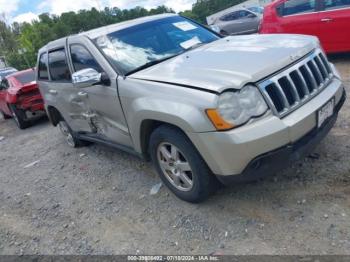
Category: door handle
<point>326,20</point>
<point>88,115</point>
<point>53,92</point>
<point>83,94</point>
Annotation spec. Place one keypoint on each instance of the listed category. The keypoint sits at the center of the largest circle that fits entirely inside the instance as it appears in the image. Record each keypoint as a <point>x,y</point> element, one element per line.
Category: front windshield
<point>133,47</point>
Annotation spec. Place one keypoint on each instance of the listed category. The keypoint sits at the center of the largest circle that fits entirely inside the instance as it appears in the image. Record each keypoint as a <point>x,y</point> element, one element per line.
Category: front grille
<point>294,86</point>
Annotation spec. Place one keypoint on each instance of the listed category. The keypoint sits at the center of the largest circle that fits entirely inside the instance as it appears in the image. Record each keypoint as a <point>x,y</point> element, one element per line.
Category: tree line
<point>19,43</point>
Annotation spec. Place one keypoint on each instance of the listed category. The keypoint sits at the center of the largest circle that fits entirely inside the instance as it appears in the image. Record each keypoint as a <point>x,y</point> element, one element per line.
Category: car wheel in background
<point>19,116</point>
<point>180,166</point>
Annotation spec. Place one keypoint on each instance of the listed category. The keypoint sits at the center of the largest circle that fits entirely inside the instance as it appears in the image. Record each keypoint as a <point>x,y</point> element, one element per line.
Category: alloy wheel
<point>66,133</point>
<point>175,166</point>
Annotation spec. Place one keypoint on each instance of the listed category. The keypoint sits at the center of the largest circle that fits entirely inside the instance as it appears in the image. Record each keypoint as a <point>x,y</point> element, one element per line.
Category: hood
<point>231,62</point>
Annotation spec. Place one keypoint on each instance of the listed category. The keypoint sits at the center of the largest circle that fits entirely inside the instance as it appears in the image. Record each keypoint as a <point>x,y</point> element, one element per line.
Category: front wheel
<point>20,117</point>
<point>180,166</point>
<point>69,135</point>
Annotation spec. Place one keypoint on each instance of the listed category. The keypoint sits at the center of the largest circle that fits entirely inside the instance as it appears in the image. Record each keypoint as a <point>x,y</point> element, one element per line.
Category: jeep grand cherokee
<point>203,108</point>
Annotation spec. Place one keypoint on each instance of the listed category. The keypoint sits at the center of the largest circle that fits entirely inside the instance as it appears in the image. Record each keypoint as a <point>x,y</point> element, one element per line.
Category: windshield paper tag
<point>184,26</point>
<point>189,43</point>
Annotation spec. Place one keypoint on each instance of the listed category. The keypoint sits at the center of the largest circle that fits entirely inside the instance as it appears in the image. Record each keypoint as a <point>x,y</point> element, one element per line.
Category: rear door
<point>299,17</point>
<point>230,24</point>
<point>335,25</point>
<point>104,110</point>
<point>249,22</point>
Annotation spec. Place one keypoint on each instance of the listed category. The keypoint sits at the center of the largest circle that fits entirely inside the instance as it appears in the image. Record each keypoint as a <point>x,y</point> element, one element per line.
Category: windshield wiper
<point>149,64</point>
<point>194,46</point>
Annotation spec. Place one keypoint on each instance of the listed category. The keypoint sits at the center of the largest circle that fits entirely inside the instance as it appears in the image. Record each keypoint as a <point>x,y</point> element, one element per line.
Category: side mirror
<point>87,77</point>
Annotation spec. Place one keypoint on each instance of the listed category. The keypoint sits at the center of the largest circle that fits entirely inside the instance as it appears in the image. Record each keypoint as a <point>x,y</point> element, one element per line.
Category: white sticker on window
<point>184,26</point>
<point>189,43</point>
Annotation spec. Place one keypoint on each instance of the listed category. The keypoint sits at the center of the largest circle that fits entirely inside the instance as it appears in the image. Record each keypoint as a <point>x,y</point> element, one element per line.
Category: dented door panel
<point>102,108</point>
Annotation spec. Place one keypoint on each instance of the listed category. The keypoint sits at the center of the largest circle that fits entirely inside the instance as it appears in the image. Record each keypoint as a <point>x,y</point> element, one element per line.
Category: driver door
<point>104,112</point>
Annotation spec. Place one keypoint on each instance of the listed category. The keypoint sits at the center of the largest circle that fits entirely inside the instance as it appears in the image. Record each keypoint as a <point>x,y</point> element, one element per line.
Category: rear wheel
<point>4,116</point>
<point>19,116</point>
<point>180,166</point>
<point>69,135</point>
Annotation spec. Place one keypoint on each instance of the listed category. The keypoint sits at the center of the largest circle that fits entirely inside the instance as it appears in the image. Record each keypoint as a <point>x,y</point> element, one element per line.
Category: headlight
<point>236,108</point>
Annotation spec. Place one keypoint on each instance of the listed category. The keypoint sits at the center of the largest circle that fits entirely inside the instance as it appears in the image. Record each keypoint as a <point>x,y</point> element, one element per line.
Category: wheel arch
<point>54,115</point>
<point>147,127</point>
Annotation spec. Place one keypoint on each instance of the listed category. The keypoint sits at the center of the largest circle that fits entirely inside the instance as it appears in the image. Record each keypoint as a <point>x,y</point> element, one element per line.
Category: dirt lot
<point>95,200</point>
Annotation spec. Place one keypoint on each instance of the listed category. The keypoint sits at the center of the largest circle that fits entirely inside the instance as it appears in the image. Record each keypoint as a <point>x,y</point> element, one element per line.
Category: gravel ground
<point>96,200</point>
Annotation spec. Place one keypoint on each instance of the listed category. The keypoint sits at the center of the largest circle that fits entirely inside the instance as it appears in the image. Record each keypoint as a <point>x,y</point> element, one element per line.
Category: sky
<point>27,10</point>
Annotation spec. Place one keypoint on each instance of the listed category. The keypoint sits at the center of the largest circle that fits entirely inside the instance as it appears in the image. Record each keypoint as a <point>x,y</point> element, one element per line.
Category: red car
<point>20,98</point>
<point>329,20</point>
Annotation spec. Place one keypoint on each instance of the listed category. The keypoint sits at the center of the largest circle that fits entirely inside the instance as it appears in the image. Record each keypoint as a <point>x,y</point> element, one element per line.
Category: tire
<point>69,135</point>
<point>180,167</point>
<point>4,115</point>
<point>20,117</point>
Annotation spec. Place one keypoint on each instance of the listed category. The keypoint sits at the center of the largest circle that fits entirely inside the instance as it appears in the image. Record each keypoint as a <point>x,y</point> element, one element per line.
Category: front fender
<point>179,106</point>
<point>186,117</point>
<point>176,105</point>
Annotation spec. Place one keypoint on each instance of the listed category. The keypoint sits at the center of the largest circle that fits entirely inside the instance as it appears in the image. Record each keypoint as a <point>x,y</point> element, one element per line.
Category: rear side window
<point>26,77</point>
<point>59,70</point>
<point>82,58</point>
<point>293,7</point>
<point>336,4</point>
<point>230,17</point>
<point>42,67</point>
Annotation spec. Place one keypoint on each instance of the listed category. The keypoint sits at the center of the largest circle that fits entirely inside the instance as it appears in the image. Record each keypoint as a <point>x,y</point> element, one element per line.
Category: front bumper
<point>278,159</point>
<point>236,153</point>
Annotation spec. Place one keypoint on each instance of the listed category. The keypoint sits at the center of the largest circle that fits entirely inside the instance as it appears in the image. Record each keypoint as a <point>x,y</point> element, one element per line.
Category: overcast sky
<point>27,10</point>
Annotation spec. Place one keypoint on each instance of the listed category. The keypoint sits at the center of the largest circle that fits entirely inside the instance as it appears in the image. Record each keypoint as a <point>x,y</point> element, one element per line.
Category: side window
<point>43,74</point>
<point>82,58</point>
<point>244,14</point>
<point>230,17</point>
<point>59,70</point>
<point>336,4</point>
<point>293,7</point>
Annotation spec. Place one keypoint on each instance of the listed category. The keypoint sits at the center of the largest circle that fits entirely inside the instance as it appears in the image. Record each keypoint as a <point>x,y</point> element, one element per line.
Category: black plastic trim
<point>98,139</point>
